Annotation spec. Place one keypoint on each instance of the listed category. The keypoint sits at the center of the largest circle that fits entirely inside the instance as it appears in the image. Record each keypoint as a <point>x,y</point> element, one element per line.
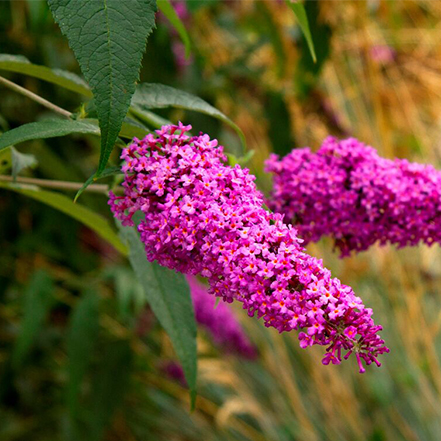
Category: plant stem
<point>148,118</point>
<point>60,185</point>
<point>34,97</point>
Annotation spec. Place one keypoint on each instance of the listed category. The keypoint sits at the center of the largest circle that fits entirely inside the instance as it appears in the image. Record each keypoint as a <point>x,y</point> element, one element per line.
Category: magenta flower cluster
<point>219,321</point>
<point>202,217</point>
<point>348,192</point>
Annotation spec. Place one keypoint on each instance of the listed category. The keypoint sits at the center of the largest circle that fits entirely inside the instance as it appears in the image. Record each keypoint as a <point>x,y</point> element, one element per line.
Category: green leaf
<point>79,212</point>
<point>242,161</point>
<point>81,336</point>
<point>53,128</point>
<point>307,72</point>
<point>111,171</point>
<point>20,161</point>
<point>148,118</point>
<point>169,11</point>
<point>68,80</point>
<point>47,129</point>
<point>302,19</point>
<point>37,301</point>
<point>169,297</point>
<point>109,386</point>
<point>134,129</point>
<point>108,38</point>
<point>158,96</point>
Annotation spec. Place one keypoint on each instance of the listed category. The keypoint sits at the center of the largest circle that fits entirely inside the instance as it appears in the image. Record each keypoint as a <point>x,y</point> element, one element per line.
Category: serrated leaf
<point>302,19</point>
<point>53,128</point>
<point>108,38</point>
<point>168,295</point>
<point>21,161</point>
<point>93,220</point>
<point>169,11</point>
<point>81,336</point>
<point>109,386</point>
<point>62,78</point>
<point>37,301</point>
<point>158,96</point>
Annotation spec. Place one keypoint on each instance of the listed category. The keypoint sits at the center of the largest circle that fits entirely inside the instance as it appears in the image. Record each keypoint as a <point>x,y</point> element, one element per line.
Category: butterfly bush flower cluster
<point>219,321</point>
<point>348,192</point>
<point>203,217</point>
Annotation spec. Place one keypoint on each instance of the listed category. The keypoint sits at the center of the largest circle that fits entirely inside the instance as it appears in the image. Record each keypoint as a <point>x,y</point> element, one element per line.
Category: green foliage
<point>108,38</point>
<point>93,220</point>
<point>169,11</point>
<point>47,129</point>
<point>62,78</point>
<point>111,171</point>
<point>308,71</point>
<point>168,295</point>
<point>37,300</point>
<point>159,96</point>
<point>53,128</point>
<point>302,19</point>
<point>93,364</point>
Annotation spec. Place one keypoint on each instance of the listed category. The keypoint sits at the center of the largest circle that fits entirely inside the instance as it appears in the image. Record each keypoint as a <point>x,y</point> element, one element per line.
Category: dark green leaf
<point>47,129</point>
<point>157,96</point>
<point>37,302</point>
<point>53,128</point>
<point>68,80</point>
<point>81,337</point>
<point>169,11</point>
<point>169,297</point>
<point>83,214</point>
<point>302,19</point>
<point>108,38</point>
<point>20,161</point>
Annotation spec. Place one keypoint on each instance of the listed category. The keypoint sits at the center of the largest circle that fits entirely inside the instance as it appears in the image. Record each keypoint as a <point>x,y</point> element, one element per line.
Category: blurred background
<point>82,356</point>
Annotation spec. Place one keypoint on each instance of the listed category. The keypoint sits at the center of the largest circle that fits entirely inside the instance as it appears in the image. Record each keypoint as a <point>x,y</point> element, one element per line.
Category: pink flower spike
<point>348,192</point>
<point>247,253</point>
